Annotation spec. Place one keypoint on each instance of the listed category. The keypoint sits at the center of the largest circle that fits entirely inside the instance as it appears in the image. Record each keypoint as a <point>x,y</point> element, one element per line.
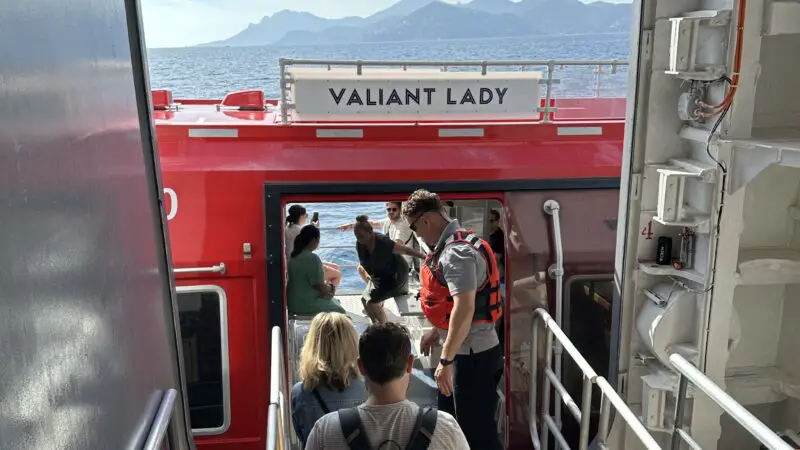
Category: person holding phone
<point>296,218</point>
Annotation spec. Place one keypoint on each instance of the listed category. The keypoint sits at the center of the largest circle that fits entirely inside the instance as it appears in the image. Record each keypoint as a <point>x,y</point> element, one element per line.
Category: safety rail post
<point>532,394</point>
<point>608,397</point>
<point>598,72</point>
<point>546,391</point>
<point>689,373</point>
<point>278,423</point>
<point>549,91</point>
<point>284,107</point>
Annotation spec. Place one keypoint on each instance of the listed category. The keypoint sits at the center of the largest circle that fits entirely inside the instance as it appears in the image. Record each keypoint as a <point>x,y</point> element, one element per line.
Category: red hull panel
<point>218,178</point>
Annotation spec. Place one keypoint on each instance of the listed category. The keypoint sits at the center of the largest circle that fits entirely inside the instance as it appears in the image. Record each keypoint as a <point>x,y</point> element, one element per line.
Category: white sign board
<point>396,94</point>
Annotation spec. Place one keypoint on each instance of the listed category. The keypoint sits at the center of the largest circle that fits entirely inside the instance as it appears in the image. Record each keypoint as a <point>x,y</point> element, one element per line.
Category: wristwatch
<point>446,362</point>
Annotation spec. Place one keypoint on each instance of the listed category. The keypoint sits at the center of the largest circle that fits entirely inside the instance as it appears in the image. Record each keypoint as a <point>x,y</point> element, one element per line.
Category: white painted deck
<point>405,310</point>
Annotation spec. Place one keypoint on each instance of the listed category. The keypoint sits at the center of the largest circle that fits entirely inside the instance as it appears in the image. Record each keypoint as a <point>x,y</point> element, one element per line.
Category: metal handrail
<point>556,271</point>
<point>609,396</point>
<point>688,372</point>
<point>450,63</point>
<point>220,268</point>
<point>278,434</point>
<point>161,423</point>
<point>551,65</point>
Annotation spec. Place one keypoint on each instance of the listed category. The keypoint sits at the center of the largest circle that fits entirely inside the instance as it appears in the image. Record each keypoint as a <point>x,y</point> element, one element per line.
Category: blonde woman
<point>329,372</point>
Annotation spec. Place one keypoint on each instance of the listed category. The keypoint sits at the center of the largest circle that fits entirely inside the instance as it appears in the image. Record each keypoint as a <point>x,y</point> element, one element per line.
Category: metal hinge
<point>646,44</point>
<point>636,186</point>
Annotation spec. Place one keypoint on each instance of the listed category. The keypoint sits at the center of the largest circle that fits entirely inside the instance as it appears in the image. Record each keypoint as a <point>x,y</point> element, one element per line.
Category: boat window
<point>203,320</point>
<point>474,214</point>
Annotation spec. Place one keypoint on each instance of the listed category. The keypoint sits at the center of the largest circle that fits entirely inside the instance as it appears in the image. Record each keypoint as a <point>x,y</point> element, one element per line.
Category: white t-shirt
<point>291,232</point>
<point>397,230</point>
<point>383,423</point>
<point>400,231</point>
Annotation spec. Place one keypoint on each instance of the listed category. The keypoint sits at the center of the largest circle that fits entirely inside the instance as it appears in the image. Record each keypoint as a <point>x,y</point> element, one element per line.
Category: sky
<point>181,23</point>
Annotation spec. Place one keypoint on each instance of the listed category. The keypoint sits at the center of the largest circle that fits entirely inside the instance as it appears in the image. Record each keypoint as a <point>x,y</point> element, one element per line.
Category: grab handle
<point>556,272</point>
<point>220,268</point>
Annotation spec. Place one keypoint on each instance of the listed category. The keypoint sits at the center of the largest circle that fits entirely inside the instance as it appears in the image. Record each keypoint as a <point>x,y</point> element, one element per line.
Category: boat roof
<point>359,123</point>
<point>409,92</point>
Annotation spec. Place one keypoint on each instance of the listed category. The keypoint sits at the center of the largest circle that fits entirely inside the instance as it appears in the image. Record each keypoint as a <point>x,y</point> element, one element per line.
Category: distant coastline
<point>433,20</point>
<point>454,40</point>
<point>213,72</point>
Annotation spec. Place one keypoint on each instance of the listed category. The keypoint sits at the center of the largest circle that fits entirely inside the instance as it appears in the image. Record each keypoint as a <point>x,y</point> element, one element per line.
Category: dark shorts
<point>386,290</point>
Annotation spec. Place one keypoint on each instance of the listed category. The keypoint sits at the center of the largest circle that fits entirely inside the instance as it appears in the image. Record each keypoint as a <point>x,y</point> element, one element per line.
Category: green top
<point>305,271</point>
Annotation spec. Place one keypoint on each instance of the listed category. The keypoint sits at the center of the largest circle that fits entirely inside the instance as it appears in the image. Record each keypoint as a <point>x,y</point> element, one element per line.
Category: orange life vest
<point>435,298</point>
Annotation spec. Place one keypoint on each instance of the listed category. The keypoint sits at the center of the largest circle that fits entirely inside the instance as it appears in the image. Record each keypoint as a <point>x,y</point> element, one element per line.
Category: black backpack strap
<point>352,429</point>
<point>423,429</point>
<point>320,401</point>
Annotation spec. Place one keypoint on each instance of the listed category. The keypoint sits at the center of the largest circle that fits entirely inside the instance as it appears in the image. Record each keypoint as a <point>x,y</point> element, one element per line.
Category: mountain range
<point>421,20</point>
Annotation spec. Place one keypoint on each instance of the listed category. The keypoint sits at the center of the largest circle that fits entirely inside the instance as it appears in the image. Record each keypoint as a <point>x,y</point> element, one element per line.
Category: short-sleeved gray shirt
<point>464,269</point>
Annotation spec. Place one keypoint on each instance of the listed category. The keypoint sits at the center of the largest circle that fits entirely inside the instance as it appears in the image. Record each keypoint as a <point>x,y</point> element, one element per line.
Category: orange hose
<point>737,59</point>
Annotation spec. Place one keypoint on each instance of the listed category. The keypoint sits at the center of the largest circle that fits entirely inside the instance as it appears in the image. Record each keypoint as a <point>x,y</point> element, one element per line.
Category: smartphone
<point>315,217</point>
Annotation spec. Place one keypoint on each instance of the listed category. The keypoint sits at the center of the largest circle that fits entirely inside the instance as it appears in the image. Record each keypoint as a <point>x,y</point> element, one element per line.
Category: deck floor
<point>403,310</point>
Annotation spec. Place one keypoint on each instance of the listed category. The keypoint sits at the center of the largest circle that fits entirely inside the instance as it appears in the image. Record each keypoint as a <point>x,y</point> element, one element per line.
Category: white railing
<point>343,265</point>
<point>279,428</point>
<point>351,246</point>
<point>609,396</point>
<point>550,65</point>
<point>749,422</point>
<point>556,272</point>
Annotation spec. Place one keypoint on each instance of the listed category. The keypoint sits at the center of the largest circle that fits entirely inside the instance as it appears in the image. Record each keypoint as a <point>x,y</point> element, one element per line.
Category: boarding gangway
<point>280,435</point>
<point>544,405</point>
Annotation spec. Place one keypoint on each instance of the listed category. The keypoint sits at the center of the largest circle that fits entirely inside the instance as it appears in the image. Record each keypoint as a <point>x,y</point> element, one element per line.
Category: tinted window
<point>201,332</point>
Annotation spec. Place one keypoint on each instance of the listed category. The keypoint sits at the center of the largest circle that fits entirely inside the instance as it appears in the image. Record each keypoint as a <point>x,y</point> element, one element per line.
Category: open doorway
<point>589,250</point>
<point>338,243</point>
<point>337,249</point>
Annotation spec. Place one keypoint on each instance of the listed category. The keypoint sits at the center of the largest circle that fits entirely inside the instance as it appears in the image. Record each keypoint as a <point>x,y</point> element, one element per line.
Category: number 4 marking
<point>648,230</point>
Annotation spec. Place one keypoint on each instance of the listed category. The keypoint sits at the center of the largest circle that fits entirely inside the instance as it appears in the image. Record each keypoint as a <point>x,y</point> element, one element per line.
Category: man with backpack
<point>387,420</point>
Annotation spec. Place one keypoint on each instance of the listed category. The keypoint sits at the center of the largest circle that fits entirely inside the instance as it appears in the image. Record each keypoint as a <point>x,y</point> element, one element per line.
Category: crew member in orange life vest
<point>460,297</point>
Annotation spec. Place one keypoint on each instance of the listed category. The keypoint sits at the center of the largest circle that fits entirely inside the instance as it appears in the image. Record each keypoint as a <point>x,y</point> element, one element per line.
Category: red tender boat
<point>375,131</point>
